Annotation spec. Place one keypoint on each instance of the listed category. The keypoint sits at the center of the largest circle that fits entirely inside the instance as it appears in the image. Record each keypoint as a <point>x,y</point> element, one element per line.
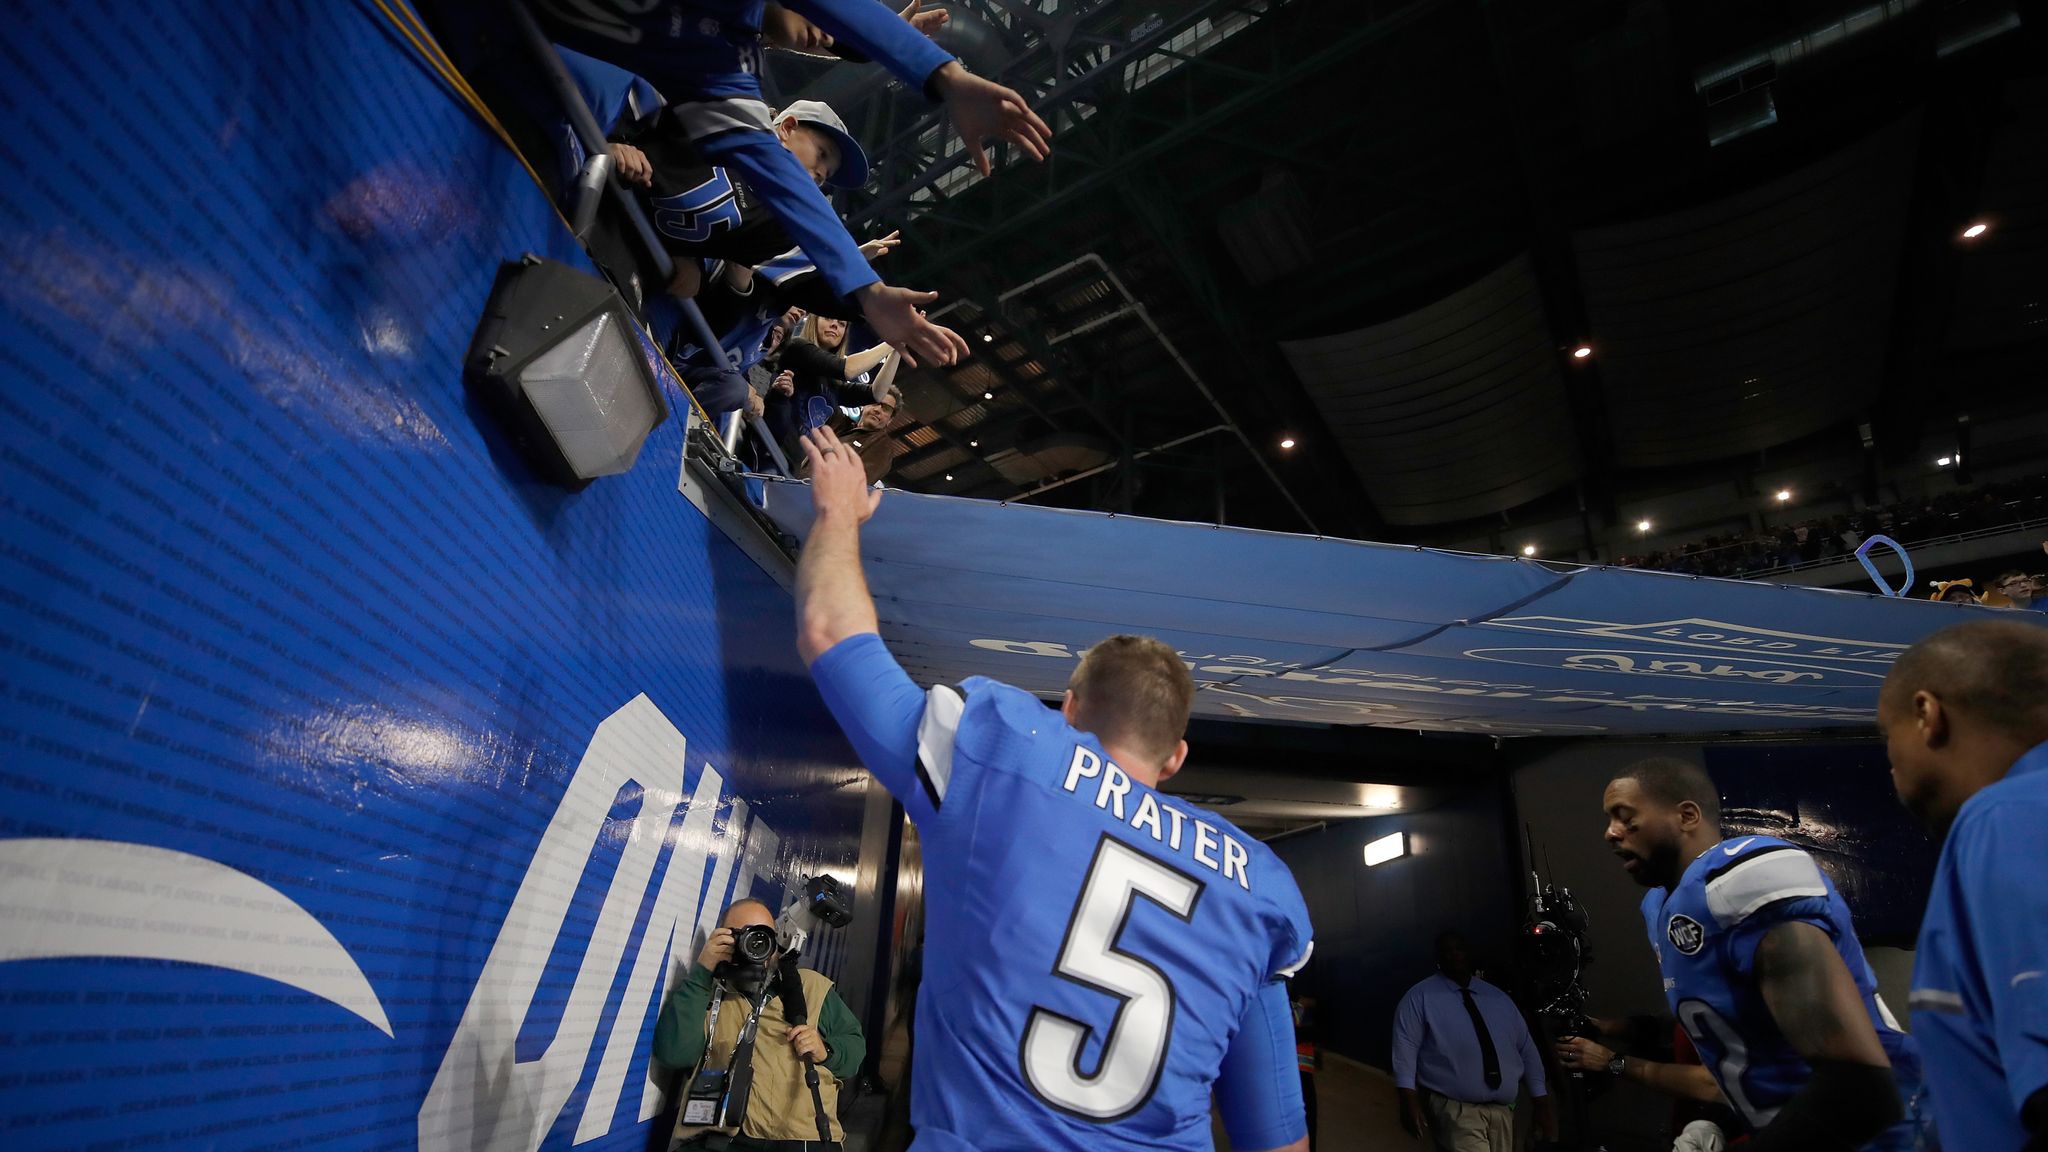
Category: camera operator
<point>703,1020</point>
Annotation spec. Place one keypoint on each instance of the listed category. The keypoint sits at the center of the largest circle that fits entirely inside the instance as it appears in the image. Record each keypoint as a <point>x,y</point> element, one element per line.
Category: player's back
<point>1706,933</point>
<point>1091,944</point>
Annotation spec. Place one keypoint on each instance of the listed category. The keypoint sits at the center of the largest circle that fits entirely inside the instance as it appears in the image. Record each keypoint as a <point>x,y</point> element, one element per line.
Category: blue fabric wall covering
<point>1281,627</point>
<point>356,790</point>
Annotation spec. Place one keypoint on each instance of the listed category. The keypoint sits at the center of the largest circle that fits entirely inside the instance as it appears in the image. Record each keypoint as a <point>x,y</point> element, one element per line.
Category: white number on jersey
<point>1709,1030</point>
<point>1134,1052</point>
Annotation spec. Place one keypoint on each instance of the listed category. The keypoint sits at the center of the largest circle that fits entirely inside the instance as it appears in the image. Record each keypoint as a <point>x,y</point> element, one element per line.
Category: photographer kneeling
<point>704,1022</point>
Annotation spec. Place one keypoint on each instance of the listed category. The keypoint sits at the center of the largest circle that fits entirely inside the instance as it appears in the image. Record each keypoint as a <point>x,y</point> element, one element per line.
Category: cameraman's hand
<point>1582,1055</point>
<point>717,949</point>
<point>807,1044</point>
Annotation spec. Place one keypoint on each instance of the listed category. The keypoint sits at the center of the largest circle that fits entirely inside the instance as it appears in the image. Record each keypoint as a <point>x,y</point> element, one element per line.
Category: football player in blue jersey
<point>1099,956</point>
<point>1763,970</point>
<point>1965,720</point>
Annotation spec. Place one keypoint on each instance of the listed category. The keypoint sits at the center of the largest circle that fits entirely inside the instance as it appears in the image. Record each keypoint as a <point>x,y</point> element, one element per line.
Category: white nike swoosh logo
<point>1732,849</point>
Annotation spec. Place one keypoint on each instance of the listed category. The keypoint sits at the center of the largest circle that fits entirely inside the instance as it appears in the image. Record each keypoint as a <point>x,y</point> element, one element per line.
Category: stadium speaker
<point>557,360</point>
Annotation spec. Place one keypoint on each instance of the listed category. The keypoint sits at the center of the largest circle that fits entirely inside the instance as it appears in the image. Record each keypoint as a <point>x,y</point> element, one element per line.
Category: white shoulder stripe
<point>935,732</point>
<point>1288,972</point>
<point>1761,879</point>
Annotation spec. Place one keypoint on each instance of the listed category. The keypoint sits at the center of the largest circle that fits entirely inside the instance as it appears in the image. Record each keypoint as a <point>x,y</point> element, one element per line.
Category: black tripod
<point>796,1012</point>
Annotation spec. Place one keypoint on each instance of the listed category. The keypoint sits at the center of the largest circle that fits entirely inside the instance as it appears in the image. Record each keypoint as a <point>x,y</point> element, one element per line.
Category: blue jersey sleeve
<point>797,201</point>
<point>1293,935</point>
<point>880,33</point>
<point>1997,867</point>
<point>1259,1088</point>
<point>895,728</point>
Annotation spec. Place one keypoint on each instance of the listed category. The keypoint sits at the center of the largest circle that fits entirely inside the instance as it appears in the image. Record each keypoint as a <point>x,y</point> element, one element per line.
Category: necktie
<point>1489,1057</point>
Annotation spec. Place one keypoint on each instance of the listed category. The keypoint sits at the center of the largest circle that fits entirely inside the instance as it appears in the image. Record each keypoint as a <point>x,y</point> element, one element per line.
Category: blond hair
<point>1133,692</point>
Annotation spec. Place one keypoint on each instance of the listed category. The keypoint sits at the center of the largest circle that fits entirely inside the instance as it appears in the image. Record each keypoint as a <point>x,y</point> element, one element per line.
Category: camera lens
<point>753,945</point>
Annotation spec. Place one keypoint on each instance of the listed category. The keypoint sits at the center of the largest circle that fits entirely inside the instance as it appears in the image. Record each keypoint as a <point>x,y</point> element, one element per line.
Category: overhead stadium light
<point>988,337</point>
<point>1386,848</point>
<point>1287,442</point>
<point>1784,494</point>
<point>1643,525</point>
<point>1528,549</point>
<point>1976,230</point>
<point>988,395</point>
<point>557,359</point>
<point>1582,351</point>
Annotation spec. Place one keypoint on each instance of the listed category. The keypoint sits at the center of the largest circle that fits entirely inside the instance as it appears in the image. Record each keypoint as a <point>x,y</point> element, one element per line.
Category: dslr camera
<point>758,947</point>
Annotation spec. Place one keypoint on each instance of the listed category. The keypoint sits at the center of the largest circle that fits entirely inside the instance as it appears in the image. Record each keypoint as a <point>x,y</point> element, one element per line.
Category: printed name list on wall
<point>355,791</point>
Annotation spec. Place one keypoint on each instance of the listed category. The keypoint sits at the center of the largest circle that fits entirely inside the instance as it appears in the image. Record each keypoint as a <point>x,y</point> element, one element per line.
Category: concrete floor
<point>1356,1111</point>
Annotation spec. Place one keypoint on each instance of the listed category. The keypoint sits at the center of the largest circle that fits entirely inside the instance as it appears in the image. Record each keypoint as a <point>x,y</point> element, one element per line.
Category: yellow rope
<point>410,26</point>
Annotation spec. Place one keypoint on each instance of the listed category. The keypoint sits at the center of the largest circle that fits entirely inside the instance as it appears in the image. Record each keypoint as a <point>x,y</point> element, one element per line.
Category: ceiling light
<point>1642,525</point>
<point>988,338</point>
<point>1582,351</point>
<point>1287,443</point>
<point>949,475</point>
<point>558,360</point>
<point>1976,230</point>
<point>1943,462</point>
<point>1528,549</point>
<point>1386,848</point>
<point>974,443</point>
<point>1784,494</point>
<point>988,395</point>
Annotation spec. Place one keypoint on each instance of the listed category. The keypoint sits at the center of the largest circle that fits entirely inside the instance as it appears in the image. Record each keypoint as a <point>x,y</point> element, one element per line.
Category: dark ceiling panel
<point>1452,411</point>
<point>2002,279</point>
<point>1754,320</point>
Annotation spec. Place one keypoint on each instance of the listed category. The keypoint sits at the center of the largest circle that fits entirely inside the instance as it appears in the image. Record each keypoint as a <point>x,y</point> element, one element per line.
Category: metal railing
<point>595,182</point>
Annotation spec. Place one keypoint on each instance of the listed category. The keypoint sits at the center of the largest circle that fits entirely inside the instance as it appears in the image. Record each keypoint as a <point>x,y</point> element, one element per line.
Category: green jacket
<point>679,1035</point>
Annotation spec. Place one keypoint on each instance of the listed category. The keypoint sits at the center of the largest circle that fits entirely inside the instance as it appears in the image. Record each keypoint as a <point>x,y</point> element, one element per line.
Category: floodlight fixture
<point>558,360</point>
<point>1386,848</point>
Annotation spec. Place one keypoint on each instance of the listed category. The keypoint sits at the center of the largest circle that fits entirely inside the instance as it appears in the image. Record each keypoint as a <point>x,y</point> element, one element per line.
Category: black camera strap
<point>741,1087</point>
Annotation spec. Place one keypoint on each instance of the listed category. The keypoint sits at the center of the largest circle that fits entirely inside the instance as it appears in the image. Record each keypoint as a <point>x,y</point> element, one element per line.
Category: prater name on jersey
<point>1113,788</point>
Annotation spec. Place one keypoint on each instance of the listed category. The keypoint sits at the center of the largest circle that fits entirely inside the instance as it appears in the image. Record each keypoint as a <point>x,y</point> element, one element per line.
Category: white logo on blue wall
<point>511,1066</point>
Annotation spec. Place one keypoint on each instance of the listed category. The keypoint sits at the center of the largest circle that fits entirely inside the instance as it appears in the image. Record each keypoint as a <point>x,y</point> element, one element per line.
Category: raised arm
<point>1850,1096</point>
<point>832,598</point>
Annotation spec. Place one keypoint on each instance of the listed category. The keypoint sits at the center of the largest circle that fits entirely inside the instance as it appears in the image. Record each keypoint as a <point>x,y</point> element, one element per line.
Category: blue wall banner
<point>356,790</point>
<point>1281,627</point>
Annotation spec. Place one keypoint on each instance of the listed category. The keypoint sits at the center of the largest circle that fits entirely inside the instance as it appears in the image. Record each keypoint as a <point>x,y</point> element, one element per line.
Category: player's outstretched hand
<point>925,20</point>
<point>985,110</point>
<point>839,482</point>
<point>894,315</point>
<point>881,246</point>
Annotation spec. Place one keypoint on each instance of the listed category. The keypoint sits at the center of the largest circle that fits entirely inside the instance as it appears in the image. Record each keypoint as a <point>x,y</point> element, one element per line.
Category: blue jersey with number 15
<point>1099,956</point>
<point>1706,932</point>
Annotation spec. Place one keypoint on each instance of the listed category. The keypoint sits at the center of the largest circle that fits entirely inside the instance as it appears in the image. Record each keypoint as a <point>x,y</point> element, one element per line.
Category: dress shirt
<point>1436,1047</point>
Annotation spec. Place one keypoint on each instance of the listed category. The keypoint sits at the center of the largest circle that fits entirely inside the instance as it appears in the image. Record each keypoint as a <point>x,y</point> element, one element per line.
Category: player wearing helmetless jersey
<point>1099,956</point>
<point>1764,972</point>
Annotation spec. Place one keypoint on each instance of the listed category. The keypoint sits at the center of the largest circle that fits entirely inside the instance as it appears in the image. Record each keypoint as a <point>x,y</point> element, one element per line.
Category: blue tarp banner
<point>1301,628</point>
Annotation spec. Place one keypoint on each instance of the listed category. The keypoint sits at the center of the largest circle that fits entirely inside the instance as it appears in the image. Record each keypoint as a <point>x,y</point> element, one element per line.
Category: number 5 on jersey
<point>1134,1051</point>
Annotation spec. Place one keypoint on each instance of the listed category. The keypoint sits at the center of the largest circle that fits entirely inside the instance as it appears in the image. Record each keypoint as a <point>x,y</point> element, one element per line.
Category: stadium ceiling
<point>1380,229</point>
